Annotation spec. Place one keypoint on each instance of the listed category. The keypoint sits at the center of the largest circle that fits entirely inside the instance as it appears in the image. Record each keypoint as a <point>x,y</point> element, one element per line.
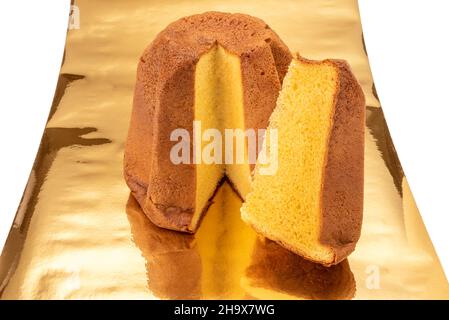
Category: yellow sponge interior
<point>286,206</point>
<point>218,105</point>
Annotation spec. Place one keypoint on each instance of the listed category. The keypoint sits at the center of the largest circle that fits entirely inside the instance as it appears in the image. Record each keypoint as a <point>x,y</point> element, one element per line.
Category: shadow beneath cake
<point>276,273</point>
<point>172,261</point>
<point>225,259</point>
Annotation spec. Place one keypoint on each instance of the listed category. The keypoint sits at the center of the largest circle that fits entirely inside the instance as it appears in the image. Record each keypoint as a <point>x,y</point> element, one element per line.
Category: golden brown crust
<point>342,191</point>
<point>164,101</point>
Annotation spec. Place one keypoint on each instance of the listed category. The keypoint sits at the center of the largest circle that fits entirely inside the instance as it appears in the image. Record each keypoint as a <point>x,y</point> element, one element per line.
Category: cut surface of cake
<point>221,70</point>
<point>313,204</point>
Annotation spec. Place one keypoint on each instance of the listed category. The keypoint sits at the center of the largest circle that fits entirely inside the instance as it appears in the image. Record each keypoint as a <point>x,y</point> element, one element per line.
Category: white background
<point>32,35</point>
<point>407,43</point>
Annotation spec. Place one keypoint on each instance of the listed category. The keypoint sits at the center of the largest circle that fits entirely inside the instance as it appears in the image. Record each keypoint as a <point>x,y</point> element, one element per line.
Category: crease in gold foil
<point>79,234</point>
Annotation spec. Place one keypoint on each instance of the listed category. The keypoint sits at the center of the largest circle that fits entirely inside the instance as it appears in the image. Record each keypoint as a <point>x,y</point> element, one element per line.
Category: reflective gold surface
<point>78,233</point>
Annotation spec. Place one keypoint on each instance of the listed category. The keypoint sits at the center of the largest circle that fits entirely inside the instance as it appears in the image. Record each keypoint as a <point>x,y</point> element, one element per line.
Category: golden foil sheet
<point>79,234</point>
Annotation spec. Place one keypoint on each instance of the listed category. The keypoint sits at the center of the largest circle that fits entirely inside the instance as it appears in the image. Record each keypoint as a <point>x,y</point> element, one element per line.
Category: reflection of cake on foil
<point>224,71</point>
<point>276,273</point>
<point>207,264</point>
<point>172,260</point>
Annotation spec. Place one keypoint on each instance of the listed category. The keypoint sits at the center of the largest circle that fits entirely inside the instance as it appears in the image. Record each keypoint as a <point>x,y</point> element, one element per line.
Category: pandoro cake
<point>222,69</point>
<point>313,204</point>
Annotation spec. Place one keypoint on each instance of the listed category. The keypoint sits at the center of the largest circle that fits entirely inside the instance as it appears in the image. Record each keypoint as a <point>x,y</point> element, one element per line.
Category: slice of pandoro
<point>313,203</point>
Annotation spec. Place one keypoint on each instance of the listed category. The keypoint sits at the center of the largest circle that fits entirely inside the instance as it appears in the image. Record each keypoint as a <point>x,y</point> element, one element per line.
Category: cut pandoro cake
<point>221,70</point>
<point>313,204</point>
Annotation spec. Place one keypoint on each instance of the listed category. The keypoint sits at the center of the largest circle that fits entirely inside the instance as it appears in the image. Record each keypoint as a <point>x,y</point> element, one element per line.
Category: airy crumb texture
<point>219,105</point>
<point>290,207</point>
